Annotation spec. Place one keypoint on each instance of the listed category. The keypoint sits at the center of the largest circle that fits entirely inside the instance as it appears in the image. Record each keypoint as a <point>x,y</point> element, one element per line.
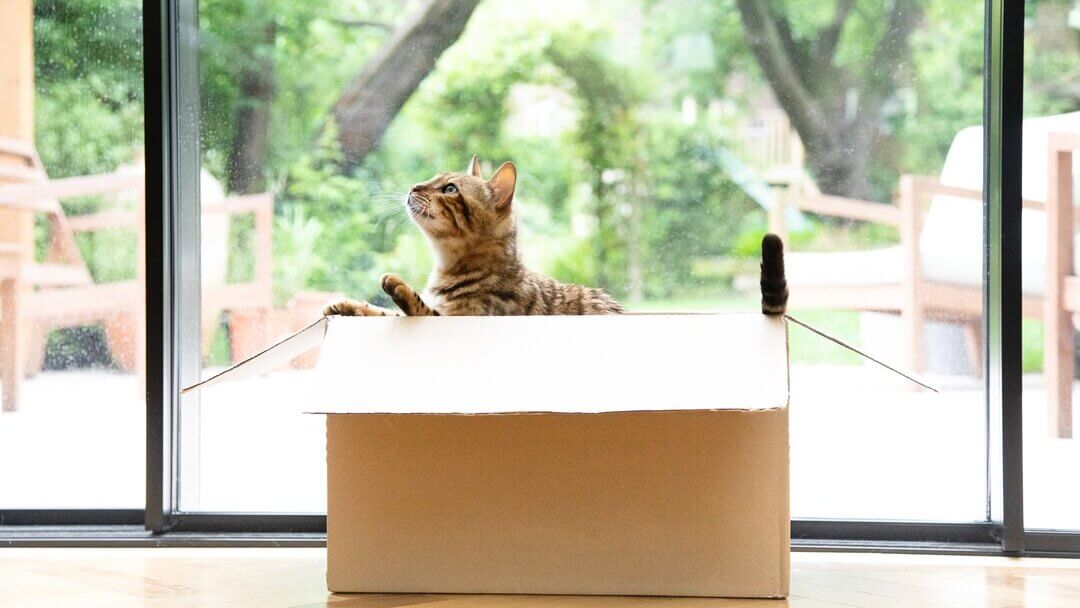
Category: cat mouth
<point>415,206</point>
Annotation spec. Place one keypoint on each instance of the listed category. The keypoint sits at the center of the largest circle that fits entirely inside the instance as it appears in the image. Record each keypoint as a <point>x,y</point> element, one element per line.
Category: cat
<point>469,223</point>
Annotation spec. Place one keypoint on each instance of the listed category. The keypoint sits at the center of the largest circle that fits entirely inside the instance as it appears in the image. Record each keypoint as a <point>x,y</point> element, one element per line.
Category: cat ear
<point>474,167</point>
<point>502,185</point>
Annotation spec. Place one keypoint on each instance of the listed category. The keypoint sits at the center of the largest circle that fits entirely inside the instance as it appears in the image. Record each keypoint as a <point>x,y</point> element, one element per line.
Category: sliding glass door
<point>71,280</point>
<point>656,144</point>
<point>1051,157</point>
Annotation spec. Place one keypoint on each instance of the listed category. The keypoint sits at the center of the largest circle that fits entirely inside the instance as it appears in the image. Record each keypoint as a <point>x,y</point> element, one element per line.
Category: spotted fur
<point>470,225</point>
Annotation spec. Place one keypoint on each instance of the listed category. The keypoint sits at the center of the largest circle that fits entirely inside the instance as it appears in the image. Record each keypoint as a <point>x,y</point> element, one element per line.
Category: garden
<point>632,123</point>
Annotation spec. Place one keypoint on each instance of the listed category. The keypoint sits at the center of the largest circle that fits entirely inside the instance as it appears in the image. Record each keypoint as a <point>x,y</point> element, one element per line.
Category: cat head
<point>464,208</point>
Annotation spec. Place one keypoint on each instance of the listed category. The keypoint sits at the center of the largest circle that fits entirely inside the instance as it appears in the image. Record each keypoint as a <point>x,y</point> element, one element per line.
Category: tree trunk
<point>258,86</point>
<point>814,91</point>
<point>372,100</point>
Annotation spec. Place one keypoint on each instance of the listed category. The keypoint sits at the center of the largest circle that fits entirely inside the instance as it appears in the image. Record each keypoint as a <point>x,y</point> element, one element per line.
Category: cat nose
<point>414,189</point>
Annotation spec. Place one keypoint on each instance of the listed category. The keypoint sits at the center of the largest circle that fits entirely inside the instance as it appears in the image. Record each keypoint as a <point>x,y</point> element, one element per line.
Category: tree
<point>256,102</point>
<point>372,100</point>
<point>609,135</point>
<point>250,147</point>
<point>834,101</point>
<point>88,79</point>
<point>253,129</point>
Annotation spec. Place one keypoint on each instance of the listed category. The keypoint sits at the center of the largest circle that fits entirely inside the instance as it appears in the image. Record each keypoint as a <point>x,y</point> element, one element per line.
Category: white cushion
<point>846,268</point>
<point>951,242</point>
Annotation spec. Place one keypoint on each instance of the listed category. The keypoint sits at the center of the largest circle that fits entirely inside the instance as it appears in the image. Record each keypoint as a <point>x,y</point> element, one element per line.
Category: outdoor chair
<point>935,273</point>
<point>38,297</point>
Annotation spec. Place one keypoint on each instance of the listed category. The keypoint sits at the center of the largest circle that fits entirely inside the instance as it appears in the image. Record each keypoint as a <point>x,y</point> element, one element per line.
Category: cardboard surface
<point>646,503</point>
<point>473,365</point>
<point>622,455</point>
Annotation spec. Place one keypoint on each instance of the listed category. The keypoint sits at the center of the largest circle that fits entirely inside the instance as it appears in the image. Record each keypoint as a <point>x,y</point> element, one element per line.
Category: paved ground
<point>864,445</point>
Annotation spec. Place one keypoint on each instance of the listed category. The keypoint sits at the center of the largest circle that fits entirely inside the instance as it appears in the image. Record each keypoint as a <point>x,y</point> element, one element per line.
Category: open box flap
<point>277,355</point>
<point>483,365</point>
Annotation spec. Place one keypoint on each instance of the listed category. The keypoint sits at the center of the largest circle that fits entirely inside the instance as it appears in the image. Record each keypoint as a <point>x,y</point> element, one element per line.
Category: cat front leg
<point>357,308</point>
<point>406,297</point>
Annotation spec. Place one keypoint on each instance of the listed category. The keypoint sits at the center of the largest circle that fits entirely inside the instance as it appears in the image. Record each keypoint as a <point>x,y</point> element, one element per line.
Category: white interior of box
<point>494,365</point>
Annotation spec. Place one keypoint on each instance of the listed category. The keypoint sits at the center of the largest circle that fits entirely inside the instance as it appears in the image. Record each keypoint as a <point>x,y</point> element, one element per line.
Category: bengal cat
<point>470,225</point>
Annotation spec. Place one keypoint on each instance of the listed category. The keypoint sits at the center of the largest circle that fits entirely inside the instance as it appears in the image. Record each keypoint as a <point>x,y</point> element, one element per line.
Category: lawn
<point>805,346</point>
<point>842,324</point>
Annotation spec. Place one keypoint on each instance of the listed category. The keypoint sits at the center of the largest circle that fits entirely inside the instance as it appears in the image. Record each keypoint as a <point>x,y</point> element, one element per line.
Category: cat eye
<point>449,189</point>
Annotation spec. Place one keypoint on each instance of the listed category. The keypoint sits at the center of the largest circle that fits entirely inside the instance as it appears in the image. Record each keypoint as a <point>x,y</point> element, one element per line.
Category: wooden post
<point>17,70</point>
<point>10,361</point>
<point>264,249</point>
<point>16,227</point>
<point>777,215</point>
<point>1058,344</point>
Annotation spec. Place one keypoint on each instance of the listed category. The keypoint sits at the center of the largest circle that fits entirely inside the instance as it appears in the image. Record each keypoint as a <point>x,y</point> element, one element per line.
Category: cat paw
<point>390,282</point>
<point>348,308</point>
<point>402,295</point>
<point>338,308</point>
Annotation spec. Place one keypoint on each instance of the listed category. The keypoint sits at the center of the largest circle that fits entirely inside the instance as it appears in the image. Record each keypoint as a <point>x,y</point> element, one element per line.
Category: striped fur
<point>470,225</point>
<point>774,290</point>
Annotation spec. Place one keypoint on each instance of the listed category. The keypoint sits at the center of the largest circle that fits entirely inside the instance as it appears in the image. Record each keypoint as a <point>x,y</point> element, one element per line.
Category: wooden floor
<point>280,578</point>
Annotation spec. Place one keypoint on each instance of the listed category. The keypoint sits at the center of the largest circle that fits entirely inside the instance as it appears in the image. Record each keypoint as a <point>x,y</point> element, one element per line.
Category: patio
<point>902,454</point>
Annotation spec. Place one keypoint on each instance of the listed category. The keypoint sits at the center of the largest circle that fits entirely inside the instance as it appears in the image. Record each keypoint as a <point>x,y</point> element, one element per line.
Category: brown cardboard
<point>632,455</point>
<point>642,503</point>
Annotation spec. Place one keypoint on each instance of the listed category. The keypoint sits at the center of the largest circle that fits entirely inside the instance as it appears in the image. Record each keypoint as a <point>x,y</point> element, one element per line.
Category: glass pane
<point>1051,163</point>
<point>71,312</point>
<point>906,286</point>
<point>655,144</point>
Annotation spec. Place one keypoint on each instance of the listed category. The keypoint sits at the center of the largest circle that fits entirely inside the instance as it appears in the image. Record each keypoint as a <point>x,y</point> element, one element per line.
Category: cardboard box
<point>623,455</point>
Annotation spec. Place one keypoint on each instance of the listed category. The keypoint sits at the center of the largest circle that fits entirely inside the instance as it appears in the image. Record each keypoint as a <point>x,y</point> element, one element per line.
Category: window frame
<point>170,34</point>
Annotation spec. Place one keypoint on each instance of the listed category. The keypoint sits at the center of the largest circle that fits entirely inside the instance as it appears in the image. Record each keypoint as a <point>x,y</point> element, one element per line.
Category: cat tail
<point>774,290</point>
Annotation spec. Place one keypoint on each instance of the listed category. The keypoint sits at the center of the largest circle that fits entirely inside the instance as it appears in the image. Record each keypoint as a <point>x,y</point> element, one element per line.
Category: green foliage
<point>304,52</point>
<point>340,229</point>
<point>112,252</point>
<point>688,184</point>
<point>624,185</point>
<point>88,76</point>
<point>1051,59</point>
<point>88,119</point>
<point>947,82</point>
<point>1031,345</point>
<point>78,347</point>
<point>296,239</point>
<point>807,348</point>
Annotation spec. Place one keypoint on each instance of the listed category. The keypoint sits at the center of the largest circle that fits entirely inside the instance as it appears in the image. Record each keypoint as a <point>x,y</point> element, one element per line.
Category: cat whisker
<point>382,216</point>
<point>383,203</point>
<point>388,209</point>
<point>396,210</point>
<point>380,185</point>
<point>390,205</point>
<point>386,203</point>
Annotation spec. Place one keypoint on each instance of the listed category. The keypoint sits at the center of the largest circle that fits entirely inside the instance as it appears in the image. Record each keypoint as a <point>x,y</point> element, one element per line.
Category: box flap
<point>492,365</point>
<point>278,354</point>
<point>478,365</point>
